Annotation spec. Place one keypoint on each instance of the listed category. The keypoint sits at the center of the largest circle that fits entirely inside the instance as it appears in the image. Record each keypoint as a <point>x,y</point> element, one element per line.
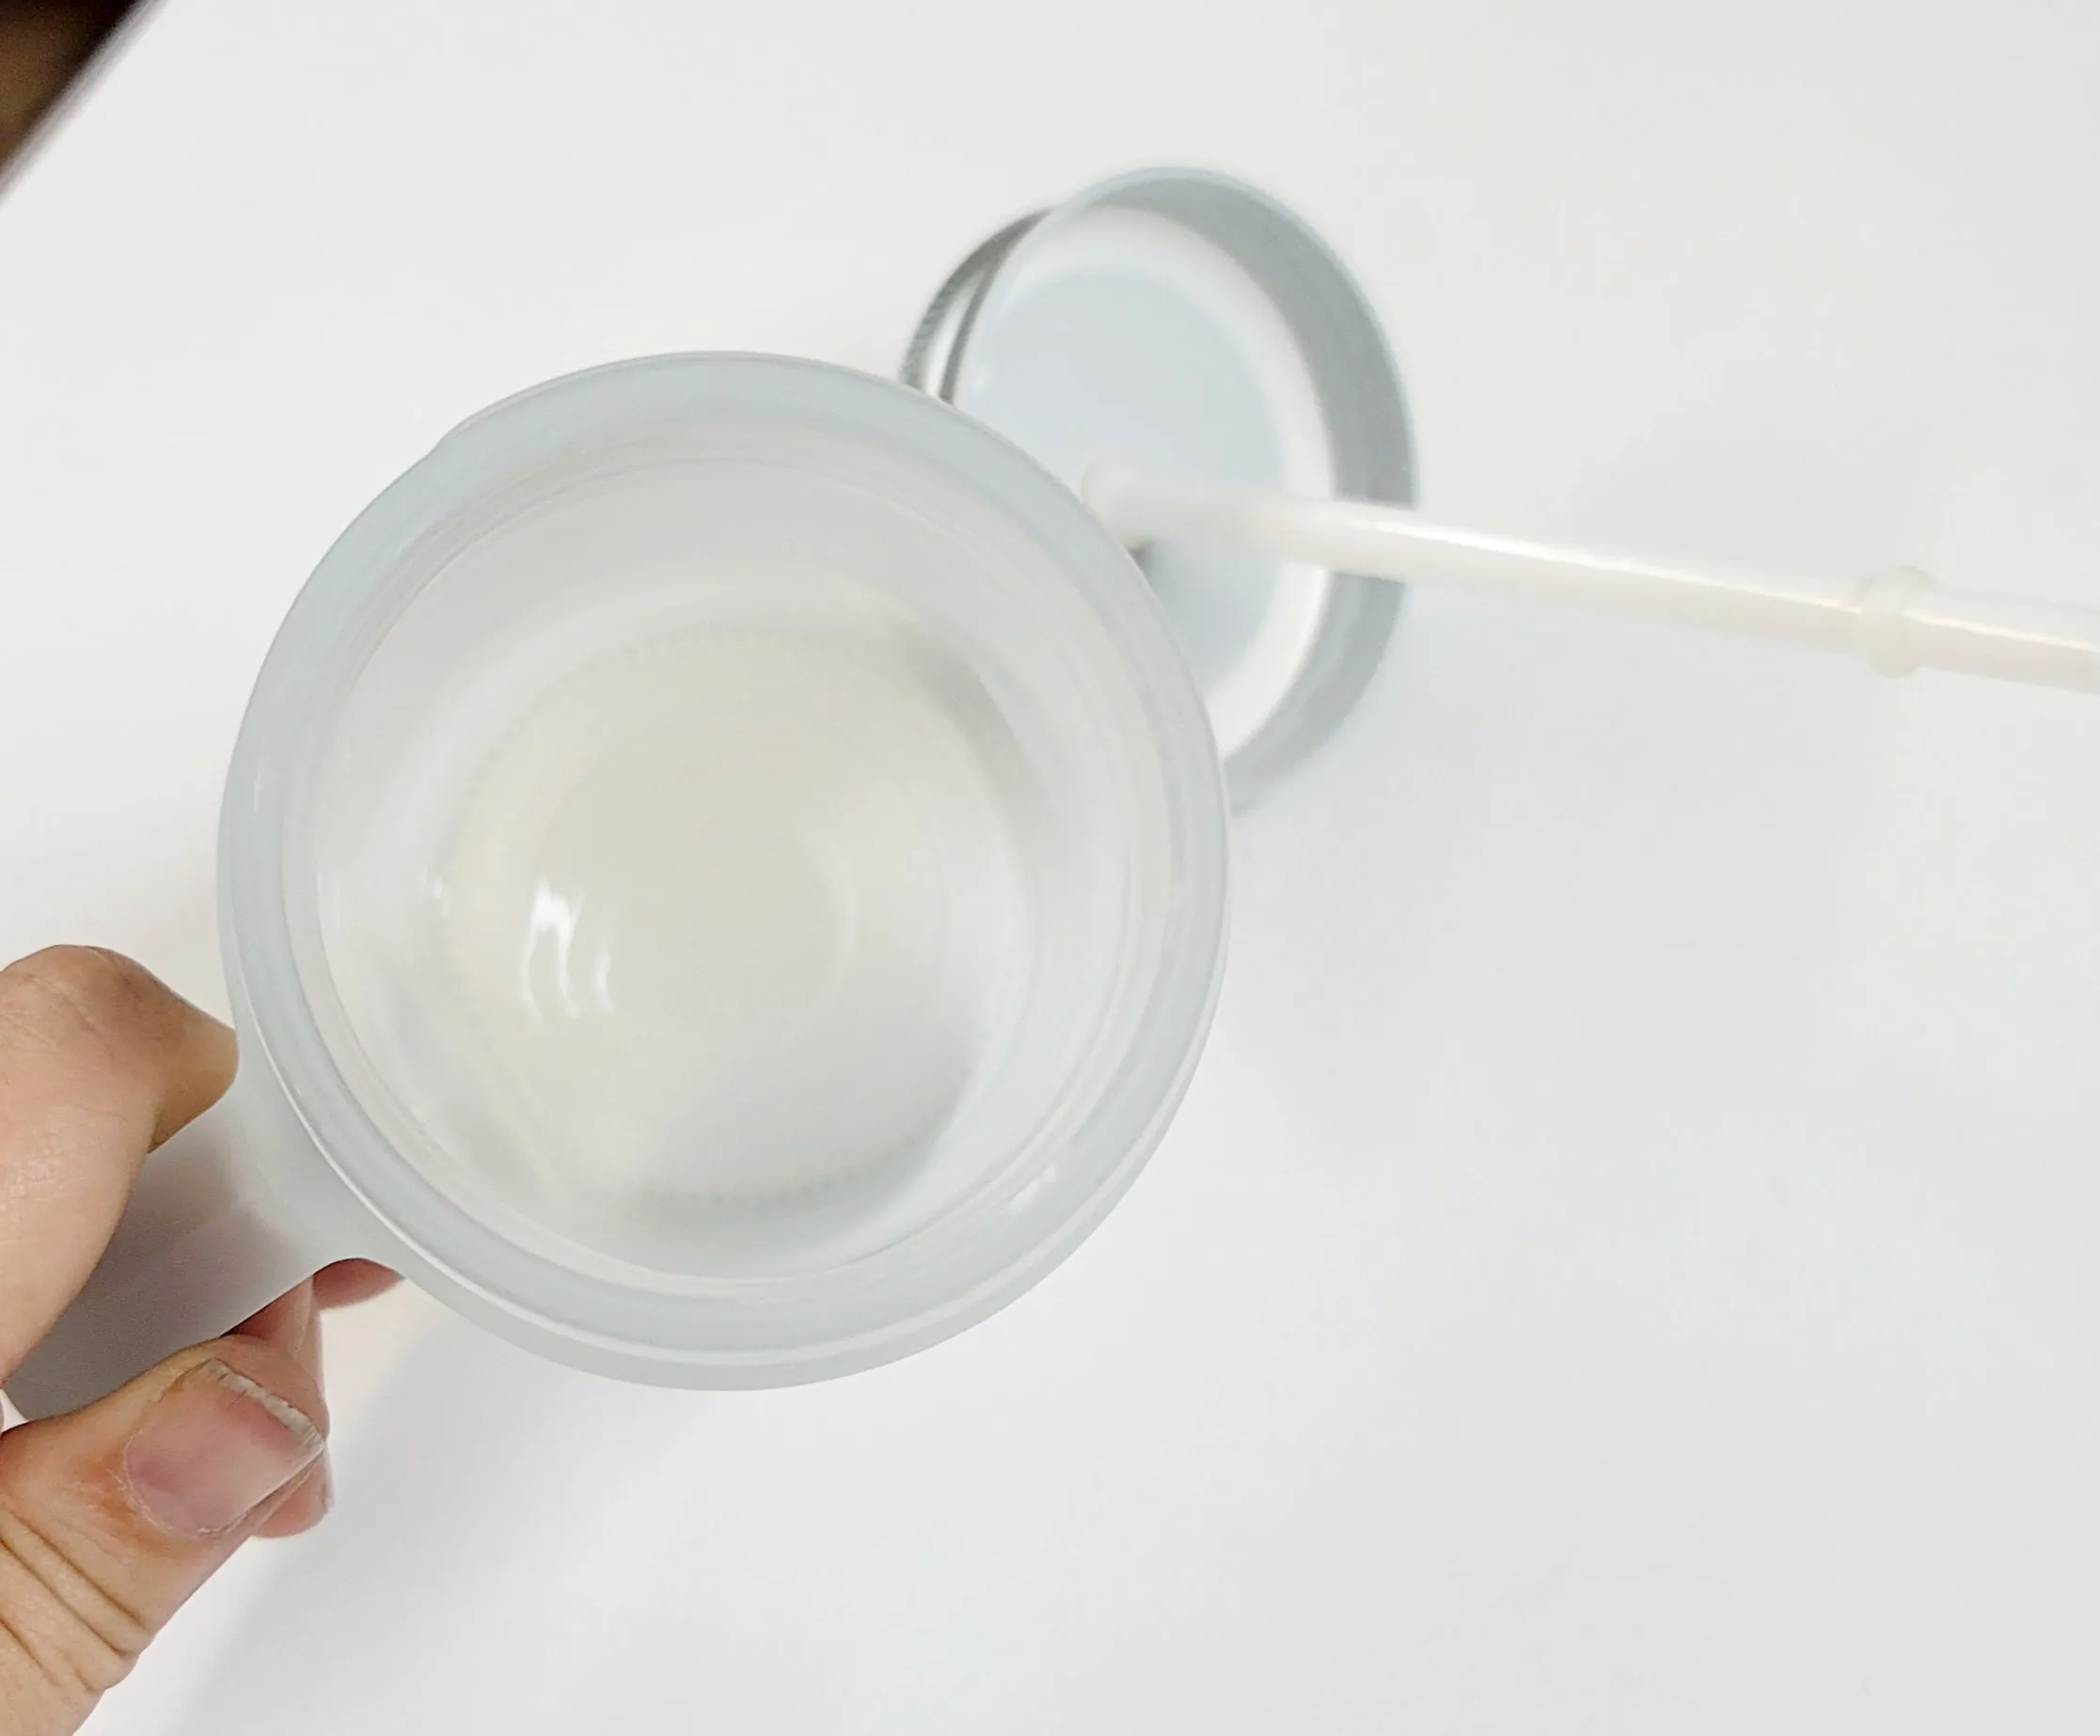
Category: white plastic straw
<point>1897,622</point>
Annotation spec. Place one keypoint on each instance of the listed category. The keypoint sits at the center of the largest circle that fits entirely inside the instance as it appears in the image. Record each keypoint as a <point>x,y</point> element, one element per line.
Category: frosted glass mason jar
<point>722,881</point>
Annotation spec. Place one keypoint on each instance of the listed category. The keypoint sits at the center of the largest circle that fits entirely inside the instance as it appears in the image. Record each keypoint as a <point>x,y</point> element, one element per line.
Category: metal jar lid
<point>1189,324</point>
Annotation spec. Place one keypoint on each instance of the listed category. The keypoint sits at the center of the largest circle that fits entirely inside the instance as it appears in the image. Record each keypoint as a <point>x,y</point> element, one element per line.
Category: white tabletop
<point>1627,1263</point>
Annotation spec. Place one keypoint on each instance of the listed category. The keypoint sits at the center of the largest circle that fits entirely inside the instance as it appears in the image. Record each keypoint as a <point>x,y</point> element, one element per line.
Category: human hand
<point>111,1517</point>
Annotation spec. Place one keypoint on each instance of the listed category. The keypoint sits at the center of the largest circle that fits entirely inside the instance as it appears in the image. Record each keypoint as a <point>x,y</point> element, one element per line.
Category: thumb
<point>114,1515</point>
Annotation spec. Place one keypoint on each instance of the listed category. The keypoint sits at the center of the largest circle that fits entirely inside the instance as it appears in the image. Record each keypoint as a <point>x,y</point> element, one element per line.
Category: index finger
<point>100,1062</point>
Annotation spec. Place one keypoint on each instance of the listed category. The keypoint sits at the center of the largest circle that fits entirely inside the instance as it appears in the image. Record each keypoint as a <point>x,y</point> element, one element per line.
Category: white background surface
<point>1627,1264</point>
